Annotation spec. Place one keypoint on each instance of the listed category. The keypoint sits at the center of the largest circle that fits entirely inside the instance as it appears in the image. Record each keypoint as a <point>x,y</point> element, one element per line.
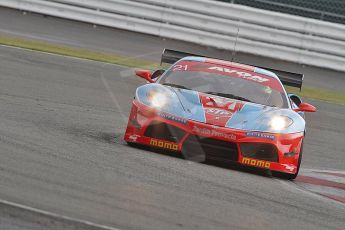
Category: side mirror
<point>305,107</point>
<point>157,74</point>
<point>295,99</point>
<point>146,74</point>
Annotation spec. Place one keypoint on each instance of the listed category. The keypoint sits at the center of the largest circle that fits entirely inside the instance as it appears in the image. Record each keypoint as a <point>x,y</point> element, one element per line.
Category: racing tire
<point>131,144</point>
<point>289,176</point>
<point>139,146</point>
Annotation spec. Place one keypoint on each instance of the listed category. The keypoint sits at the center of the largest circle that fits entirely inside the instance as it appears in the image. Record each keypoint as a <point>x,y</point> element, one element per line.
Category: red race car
<point>207,108</point>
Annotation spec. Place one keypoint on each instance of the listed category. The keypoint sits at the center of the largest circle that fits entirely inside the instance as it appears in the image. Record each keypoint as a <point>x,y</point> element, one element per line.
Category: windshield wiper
<point>176,86</point>
<point>228,95</point>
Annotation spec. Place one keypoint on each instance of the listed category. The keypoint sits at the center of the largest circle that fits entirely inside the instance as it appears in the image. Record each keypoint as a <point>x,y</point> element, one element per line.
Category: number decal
<point>180,68</point>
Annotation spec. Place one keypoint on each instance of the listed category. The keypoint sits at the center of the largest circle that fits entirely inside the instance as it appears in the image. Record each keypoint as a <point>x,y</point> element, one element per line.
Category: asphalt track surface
<point>61,126</point>
<point>62,121</point>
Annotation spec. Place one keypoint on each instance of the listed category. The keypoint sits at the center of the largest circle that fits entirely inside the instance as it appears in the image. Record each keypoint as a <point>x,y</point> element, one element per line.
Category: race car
<point>206,108</point>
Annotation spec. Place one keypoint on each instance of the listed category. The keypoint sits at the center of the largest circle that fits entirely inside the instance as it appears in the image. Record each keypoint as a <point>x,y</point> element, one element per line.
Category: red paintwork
<point>306,107</point>
<point>337,198</point>
<point>146,74</point>
<point>334,174</point>
<point>322,182</point>
<point>144,115</point>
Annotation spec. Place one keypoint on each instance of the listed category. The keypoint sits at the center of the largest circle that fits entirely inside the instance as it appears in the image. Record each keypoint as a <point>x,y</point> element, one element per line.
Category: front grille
<point>261,151</point>
<point>212,148</point>
<point>164,131</point>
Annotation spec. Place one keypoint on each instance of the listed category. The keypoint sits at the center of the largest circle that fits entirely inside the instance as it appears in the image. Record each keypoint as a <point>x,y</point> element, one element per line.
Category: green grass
<point>307,92</point>
<point>318,94</point>
<point>77,52</point>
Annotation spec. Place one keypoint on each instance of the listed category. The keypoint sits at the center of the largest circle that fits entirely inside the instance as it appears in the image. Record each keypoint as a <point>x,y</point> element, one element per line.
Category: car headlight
<point>157,99</point>
<point>280,122</point>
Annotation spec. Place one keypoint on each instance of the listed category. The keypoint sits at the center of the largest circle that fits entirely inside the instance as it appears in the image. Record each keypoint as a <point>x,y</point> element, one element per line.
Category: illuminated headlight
<point>157,99</point>
<point>280,122</point>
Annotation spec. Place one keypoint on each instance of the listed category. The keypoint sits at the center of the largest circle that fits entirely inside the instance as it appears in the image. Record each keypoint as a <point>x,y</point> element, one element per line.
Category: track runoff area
<point>62,121</point>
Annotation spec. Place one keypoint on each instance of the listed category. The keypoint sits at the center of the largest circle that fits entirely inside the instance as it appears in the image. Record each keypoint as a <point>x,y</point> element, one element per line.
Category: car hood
<point>219,111</point>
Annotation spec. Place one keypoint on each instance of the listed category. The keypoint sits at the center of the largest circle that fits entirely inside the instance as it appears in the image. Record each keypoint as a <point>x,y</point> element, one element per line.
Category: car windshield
<point>226,82</point>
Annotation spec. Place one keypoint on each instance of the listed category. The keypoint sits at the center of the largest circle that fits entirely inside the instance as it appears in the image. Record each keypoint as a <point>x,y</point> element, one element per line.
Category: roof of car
<point>232,64</point>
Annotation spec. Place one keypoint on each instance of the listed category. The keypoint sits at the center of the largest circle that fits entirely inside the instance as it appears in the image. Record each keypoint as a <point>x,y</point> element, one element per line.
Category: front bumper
<point>277,152</point>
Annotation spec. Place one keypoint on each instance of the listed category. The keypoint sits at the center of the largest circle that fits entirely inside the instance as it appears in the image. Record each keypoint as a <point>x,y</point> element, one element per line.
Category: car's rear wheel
<point>289,176</point>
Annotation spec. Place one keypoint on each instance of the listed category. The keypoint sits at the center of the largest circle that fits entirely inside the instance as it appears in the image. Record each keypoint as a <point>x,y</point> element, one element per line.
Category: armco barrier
<point>255,16</point>
<point>209,23</point>
<point>217,25</point>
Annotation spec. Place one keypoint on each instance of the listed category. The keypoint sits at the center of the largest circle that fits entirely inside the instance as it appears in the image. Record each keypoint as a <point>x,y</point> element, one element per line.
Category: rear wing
<point>172,56</point>
<point>287,78</point>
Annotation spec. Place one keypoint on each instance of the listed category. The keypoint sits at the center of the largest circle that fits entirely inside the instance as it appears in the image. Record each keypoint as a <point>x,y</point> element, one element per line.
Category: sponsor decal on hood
<point>219,110</point>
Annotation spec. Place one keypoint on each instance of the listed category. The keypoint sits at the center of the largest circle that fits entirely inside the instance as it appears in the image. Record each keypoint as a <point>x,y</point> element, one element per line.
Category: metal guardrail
<point>209,23</point>
<point>217,25</point>
<point>322,10</point>
<point>255,17</point>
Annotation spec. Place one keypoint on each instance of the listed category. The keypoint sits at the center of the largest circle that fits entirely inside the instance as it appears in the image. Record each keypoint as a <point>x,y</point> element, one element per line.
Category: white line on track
<point>51,214</point>
<point>105,83</point>
<point>112,96</point>
<point>56,216</point>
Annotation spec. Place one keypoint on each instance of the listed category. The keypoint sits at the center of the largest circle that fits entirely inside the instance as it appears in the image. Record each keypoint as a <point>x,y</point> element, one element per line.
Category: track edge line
<point>55,216</point>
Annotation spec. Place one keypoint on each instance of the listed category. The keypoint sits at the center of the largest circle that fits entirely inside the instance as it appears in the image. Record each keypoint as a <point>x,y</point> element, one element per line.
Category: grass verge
<point>318,94</point>
<point>76,52</point>
<point>307,92</point>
